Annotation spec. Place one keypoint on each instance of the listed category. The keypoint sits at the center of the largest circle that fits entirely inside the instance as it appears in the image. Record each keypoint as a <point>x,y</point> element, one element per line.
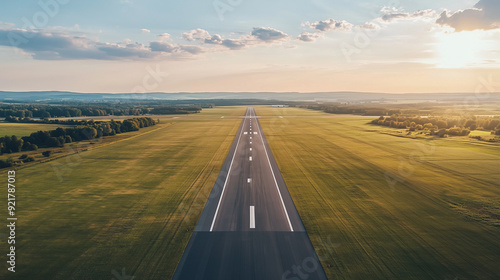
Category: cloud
<point>115,51</point>
<point>234,44</point>
<point>308,37</point>
<point>329,24</point>
<point>191,49</point>
<point>50,45</point>
<point>163,47</point>
<point>368,25</point>
<point>391,14</point>
<point>484,15</point>
<point>196,34</point>
<point>144,30</point>
<point>65,45</point>
<point>163,37</point>
<point>259,35</point>
<point>214,40</point>
<point>268,34</point>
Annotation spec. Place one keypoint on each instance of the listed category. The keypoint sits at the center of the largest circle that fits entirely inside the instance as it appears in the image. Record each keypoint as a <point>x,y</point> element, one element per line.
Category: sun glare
<point>459,49</point>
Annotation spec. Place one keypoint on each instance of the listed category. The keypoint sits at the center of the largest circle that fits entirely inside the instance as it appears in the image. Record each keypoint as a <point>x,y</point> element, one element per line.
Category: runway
<point>249,228</point>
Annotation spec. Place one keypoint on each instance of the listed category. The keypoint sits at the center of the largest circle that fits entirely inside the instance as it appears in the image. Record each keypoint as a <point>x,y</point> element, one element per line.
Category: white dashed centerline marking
<point>250,149</point>
<point>245,133</point>
<point>250,158</point>
<point>252,217</point>
<point>227,179</point>
<point>249,180</point>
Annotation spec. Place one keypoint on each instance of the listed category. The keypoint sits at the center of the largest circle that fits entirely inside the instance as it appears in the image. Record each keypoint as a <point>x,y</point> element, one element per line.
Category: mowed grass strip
<point>132,204</point>
<point>366,228</point>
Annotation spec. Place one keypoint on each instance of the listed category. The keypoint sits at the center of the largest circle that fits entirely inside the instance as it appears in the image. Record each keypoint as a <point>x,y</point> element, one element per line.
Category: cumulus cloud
<point>196,34</point>
<point>308,37</point>
<point>391,14</point>
<point>191,49</point>
<point>329,24</point>
<point>163,37</point>
<point>214,40</point>
<point>144,30</point>
<point>484,15</point>
<point>234,44</point>
<point>45,45</point>
<point>163,47</point>
<point>268,34</point>
<point>259,35</point>
<point>65,45</point>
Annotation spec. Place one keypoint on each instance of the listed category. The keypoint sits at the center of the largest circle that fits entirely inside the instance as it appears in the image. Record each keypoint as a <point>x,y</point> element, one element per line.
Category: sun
<point>459,49</point>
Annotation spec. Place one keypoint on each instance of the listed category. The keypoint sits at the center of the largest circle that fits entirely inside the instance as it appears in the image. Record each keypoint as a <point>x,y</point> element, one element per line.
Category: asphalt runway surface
<point>249,228</point>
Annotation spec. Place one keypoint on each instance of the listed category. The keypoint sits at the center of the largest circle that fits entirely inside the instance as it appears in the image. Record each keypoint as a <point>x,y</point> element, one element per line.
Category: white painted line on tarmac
<point>250,158</point>
<point>250,149</point>
<point>225,183</point>
<point>252,216</point>
<point>245,133</point>
<point>249,180</point>
<point>276,183</point>
<point>255,132</point>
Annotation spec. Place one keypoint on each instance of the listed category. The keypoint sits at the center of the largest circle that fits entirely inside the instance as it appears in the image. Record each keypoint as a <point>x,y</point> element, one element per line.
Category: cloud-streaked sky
<point>241,45</point>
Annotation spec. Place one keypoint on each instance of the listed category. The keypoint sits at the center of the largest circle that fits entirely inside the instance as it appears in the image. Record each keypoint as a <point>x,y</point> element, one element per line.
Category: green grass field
<point>130,204</point>
<point>24,129</point>
<point>378,206</point>
<point>375,206</point>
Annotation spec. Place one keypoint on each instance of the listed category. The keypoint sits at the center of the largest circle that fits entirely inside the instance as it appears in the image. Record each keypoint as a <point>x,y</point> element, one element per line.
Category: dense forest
<point>87,130</point>
<point>441,126</point>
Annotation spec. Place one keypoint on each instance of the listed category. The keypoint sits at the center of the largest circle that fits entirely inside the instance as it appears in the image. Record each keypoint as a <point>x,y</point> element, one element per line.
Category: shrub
<point>6,163</point>
<point>29,159</point>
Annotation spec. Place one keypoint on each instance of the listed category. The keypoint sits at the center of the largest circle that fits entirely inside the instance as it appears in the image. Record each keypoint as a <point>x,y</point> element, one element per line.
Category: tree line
<point>29,111</point>
<point>353,109</point>
<point>74,122</point>
<point>61,136</point>
<point>441,126</point>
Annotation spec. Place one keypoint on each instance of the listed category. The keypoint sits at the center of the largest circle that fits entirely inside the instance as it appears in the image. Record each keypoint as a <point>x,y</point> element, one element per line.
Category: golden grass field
<point>23,129</point>
<point>440,219</point>
<point>375,206</point>
<point>130,204</point>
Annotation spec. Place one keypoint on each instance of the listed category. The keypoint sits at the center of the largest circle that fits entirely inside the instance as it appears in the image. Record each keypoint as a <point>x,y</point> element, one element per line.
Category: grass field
<point>375,206</point>
<point>378,206</point>
<point>130,204</point>
<point>24,129</point>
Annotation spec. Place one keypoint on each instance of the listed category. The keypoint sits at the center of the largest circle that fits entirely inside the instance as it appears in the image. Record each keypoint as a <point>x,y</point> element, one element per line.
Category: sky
<point>132,46</point>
